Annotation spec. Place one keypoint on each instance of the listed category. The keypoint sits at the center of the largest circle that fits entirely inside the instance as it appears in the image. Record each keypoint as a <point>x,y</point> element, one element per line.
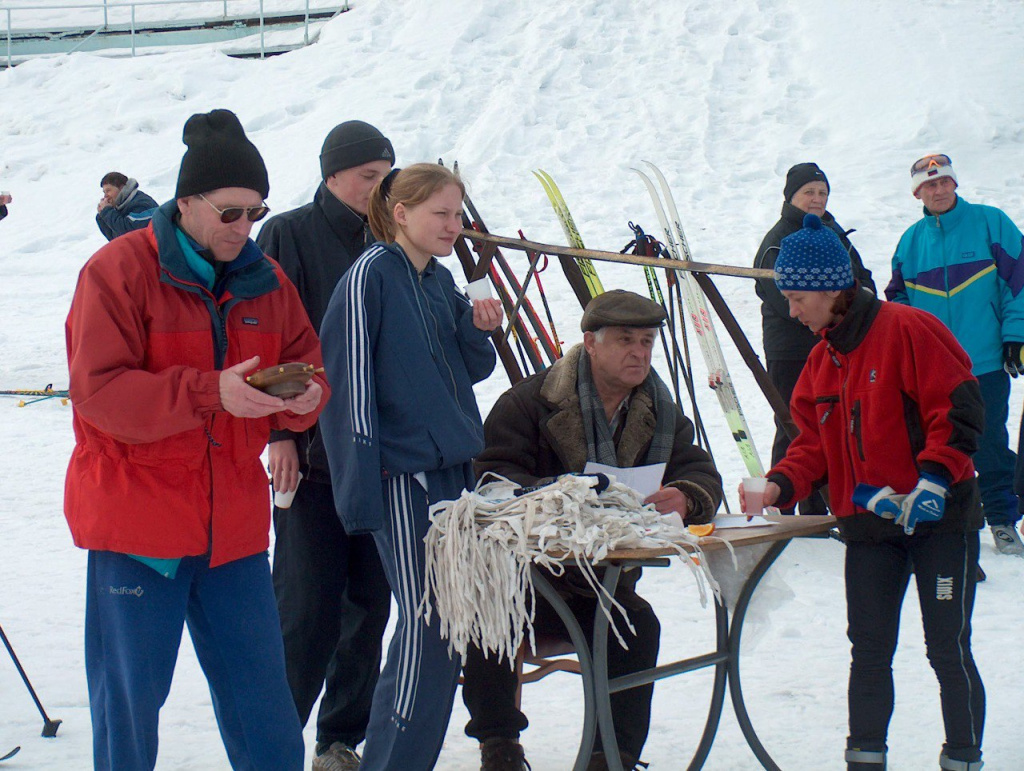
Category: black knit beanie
<point>219,155</point>
<point>354,143</point>
<point>800,175</point>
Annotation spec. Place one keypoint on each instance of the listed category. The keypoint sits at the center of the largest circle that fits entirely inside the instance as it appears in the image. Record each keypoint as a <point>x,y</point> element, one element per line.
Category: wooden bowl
<point>283,380</point>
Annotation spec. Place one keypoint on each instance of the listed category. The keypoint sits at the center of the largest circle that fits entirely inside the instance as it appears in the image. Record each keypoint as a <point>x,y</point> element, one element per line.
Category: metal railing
<point>133,28</point>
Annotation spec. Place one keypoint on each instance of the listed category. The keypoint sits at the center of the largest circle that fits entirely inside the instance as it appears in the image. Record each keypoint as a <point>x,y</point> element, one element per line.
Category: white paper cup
<point>284,500</point>
<point>753,494</point>
<point>479,289</point>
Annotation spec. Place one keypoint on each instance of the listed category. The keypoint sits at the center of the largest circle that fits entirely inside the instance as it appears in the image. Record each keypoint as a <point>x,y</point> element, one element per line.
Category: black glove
<point>1011,359</point>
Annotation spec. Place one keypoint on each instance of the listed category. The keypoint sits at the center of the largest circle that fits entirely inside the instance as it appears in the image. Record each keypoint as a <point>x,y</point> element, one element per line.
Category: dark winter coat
<point>315,244</point>
<point>132,210</point>
<point>3,212</point>
<point>535,430</point>
<point>785,338</point>
<point>886,395</point>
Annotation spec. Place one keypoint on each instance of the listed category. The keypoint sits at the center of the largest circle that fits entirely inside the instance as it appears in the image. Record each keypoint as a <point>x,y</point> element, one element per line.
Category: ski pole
<point>547,308</point>
<point>49,726</point>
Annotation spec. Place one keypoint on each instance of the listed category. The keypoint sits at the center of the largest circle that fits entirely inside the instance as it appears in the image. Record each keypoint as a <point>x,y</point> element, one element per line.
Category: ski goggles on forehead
<point>930,162</point>
<point>235,213</point>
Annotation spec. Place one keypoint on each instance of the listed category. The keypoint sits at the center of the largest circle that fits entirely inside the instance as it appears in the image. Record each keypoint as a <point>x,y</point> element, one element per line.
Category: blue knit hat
<point>813,260</point>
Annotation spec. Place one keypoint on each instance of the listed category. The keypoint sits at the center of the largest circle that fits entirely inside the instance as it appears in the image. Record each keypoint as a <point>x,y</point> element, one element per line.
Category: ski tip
<point>10,754</point>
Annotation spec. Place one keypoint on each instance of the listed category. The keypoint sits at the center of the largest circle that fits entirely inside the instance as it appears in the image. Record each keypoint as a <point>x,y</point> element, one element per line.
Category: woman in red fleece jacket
<point>889,415</point>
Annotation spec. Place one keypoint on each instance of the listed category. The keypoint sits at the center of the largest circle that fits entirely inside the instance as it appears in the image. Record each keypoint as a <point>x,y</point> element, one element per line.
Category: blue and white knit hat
<point>813,260</point>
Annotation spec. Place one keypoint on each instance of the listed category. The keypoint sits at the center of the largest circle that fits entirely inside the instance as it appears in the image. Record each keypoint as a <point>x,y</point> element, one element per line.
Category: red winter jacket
<point>159,468</point>
<point>887,394</point>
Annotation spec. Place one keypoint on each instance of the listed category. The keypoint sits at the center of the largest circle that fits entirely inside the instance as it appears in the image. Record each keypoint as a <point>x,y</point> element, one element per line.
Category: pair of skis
<point>718,373</point>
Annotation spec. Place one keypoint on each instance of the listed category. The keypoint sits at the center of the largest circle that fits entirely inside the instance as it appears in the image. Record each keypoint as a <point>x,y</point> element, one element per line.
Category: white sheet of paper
<point>728,521</point>
<point>644,479</point>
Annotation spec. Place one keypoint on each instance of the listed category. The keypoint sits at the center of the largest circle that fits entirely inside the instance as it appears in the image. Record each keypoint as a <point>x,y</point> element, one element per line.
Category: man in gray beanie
<point>165,487</point>
<point>332,594</point>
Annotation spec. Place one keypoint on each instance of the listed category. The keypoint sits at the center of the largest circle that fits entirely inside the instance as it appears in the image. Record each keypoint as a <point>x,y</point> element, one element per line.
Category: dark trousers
<point>877,574</point>
<point>784,375</point>
<point>489,685</point>
<point>994,460</point>
<point>334,602</point>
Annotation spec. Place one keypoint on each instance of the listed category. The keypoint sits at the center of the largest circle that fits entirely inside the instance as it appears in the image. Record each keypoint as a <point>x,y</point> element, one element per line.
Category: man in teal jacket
<point>963,263</point>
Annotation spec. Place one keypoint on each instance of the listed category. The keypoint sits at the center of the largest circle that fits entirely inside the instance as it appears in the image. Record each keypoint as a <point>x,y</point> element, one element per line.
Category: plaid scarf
<point>600,442</point>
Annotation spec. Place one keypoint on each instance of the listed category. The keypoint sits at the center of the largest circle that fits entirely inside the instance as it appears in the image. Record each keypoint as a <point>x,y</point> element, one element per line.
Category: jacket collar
<point>854,326</point>
<point>347,224</point>
<point>250,274</point>
<point>565,425</point>
<point>949,219</point>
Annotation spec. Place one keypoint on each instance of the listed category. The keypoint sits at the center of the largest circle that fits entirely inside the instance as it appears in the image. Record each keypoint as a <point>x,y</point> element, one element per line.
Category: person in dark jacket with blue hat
<point>403,348</point>
<point>889,415</point>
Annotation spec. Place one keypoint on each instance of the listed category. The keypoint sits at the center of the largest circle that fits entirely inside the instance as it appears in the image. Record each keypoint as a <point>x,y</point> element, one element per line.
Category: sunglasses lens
<point>257,213</point>
<point>227,216</point>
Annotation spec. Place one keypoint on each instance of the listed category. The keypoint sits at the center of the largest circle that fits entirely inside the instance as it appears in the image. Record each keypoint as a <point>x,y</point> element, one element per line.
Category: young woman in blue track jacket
<point>402,348</point>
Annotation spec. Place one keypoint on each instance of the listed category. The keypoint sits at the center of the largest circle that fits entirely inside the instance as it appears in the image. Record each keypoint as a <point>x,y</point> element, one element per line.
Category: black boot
<point>501,754</point>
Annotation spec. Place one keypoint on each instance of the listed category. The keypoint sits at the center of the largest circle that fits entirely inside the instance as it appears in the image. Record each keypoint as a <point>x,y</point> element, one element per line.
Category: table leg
<point>735,633</point>
<point>582,646</point>
<point>707,739</point>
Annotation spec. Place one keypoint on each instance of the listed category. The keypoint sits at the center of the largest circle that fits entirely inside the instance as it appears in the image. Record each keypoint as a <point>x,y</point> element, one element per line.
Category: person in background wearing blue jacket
<point>402,349</point>
<point>962,262</point>
<point>123,207</point>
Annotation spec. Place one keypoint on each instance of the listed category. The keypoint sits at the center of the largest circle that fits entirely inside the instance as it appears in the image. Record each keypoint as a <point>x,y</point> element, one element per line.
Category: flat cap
<point>619,308</point>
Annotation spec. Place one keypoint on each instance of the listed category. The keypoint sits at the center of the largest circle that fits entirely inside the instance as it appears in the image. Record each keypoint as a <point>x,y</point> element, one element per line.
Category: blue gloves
<point>925,503</point>
<point>882,500</point>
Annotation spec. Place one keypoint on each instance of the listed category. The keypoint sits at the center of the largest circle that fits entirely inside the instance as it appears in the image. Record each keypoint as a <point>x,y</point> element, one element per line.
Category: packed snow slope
<point>723,96</point>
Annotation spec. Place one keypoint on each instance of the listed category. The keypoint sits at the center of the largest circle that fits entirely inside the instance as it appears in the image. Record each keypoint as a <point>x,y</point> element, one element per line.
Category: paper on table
<point>733,521</point>
<point>644,479</point>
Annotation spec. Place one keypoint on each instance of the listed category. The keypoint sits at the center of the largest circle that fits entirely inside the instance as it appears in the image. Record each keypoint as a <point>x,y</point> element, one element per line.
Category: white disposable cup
<point>284,500</point>
<point>753,494</point>
<point>479,289</point>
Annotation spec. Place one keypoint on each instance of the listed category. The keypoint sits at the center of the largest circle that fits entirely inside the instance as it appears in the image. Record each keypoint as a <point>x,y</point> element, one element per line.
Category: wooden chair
<point>549,657</point>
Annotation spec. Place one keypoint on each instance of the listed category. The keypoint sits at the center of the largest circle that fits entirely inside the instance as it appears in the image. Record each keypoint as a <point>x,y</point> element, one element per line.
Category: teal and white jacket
<point>966,268</point>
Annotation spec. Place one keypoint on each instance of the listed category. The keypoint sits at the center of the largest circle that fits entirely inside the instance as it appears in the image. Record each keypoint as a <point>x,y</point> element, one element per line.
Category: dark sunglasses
<point>234,213</point>
<point>930,162</point>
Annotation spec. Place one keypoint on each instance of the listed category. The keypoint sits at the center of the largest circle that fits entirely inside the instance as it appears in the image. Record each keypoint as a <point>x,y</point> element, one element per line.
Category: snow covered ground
<point>723,96</point>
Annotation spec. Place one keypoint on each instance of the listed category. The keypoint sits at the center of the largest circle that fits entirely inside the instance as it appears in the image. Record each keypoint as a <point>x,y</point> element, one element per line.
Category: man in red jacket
<point>889,416</point>
<point>165,487</point>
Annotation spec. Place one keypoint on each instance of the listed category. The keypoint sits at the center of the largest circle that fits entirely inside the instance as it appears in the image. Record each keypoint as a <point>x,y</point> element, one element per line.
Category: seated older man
<point>602,402</point>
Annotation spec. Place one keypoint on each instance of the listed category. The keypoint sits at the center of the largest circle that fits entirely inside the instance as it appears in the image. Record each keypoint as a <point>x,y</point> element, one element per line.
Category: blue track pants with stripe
<point>413,700</point>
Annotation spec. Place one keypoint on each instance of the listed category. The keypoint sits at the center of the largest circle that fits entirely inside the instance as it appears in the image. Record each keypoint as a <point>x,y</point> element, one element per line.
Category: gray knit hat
<point>813,259</point>
<point>354,143</point>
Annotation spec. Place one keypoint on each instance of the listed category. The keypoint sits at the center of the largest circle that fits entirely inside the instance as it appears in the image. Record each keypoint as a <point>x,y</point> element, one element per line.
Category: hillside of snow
<point>724,97</point>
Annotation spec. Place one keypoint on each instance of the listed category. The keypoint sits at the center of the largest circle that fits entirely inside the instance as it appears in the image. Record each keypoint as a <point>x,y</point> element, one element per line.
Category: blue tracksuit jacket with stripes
<point>965,266</point>
<point>401,354</point>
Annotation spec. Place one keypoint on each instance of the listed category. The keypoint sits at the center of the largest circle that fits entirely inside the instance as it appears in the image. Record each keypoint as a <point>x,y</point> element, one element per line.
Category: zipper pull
<point>827,412</point>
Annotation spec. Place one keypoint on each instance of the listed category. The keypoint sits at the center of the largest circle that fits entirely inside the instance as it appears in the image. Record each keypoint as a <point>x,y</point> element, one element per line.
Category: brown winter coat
<point>535,431</point>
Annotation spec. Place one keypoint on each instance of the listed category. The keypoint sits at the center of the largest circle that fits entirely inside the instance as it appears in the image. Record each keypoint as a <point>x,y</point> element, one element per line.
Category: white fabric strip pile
<point>480,547</point>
